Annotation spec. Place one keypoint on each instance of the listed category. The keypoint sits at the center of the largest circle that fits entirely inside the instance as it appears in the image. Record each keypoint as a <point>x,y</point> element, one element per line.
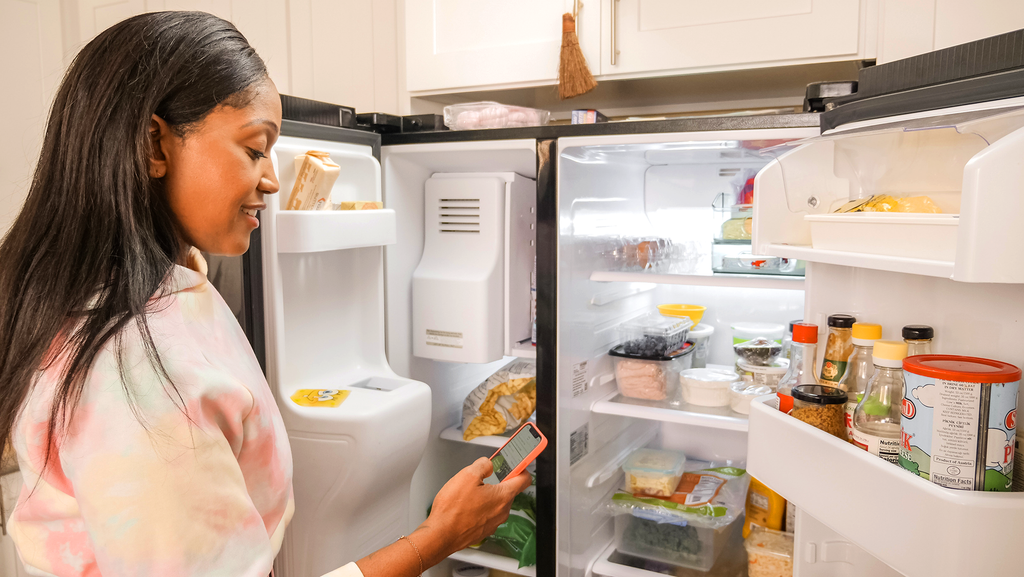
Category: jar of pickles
<point>821,406</point>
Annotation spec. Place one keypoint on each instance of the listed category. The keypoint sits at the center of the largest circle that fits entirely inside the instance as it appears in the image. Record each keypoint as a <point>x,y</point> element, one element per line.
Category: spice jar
<point>918,339</point>
<point>821,406</point>
<point>838,348</point>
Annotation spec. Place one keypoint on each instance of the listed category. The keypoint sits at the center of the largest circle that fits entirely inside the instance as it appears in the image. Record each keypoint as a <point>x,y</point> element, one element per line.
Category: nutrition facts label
<point>955,434</point>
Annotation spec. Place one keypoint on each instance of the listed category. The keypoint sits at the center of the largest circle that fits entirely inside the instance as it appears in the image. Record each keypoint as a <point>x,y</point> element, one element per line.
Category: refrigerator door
<point>357,429</point>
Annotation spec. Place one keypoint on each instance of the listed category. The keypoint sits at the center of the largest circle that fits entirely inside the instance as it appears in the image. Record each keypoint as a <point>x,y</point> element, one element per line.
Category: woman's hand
<point>465,510</point>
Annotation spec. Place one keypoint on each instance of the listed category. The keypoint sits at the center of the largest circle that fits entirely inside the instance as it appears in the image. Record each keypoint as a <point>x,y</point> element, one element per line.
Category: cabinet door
<point>461,44</point>
<point>697,35</point>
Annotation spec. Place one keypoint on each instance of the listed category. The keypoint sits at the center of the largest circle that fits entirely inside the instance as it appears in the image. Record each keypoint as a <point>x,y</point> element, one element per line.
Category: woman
<point>149,441</point>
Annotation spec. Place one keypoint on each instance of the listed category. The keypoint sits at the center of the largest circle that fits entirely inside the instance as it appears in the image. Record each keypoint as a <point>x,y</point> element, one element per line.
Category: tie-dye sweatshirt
<point>159,491</point>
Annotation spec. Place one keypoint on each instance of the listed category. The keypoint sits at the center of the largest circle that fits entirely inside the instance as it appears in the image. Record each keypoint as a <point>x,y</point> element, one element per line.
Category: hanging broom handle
<point>615,51</point>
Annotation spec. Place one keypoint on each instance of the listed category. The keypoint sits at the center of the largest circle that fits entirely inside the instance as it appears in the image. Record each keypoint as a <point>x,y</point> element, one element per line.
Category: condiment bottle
<point>801,364</point>
<point>859,369</point>
<point>838,348</point>
<point>787,341</point>
<point>918,339</point>
<point>820,406</point>
<point>876,420</point>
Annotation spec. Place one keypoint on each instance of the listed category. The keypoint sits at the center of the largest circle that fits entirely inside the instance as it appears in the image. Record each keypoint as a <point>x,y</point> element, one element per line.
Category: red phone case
<point>529,458</point>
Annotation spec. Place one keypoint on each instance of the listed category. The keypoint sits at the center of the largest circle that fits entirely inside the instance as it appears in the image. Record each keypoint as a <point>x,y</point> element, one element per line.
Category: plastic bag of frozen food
<point>501,403</point>
<point>707,496</point>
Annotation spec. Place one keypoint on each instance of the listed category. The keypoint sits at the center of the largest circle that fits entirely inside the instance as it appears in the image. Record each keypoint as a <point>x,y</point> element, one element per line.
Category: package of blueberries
<point>654,335</point>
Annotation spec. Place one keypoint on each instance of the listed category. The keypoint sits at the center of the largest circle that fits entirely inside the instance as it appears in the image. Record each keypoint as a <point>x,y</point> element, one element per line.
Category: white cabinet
<point>261,21</point>
<point>658,36</point>
<point>910,27</point>
<point>31,67</point>
<point>345,52</point>
<point>455,45</point>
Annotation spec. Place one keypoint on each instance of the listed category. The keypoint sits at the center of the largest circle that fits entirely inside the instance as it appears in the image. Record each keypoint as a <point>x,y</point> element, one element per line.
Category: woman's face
<point>215,177</point>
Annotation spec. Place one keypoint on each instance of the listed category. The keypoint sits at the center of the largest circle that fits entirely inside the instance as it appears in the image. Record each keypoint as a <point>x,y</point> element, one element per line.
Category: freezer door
<point>357,429</point>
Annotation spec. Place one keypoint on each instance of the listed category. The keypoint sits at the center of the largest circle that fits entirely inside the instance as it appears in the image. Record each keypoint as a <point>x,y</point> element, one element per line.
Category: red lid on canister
<point>806,333</point>
<point>962,369</point>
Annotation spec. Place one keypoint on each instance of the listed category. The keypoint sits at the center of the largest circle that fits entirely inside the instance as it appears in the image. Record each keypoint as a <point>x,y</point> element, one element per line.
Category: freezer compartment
<point>962,159</point>
<point>918,528</point>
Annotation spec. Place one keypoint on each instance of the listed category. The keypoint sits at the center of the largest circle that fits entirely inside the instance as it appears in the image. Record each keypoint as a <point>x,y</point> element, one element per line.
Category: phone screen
<point>518,448</point>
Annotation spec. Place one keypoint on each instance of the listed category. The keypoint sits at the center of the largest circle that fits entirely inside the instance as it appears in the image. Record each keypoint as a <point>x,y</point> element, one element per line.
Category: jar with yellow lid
<point>876,420</point>
<point>859,369</point>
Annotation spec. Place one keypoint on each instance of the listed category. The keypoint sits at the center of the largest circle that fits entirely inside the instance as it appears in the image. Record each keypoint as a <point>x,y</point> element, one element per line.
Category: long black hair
<point>96,236</point>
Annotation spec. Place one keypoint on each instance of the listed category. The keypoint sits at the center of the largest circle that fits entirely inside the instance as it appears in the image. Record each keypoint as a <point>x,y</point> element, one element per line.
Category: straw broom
<point>574,78</point>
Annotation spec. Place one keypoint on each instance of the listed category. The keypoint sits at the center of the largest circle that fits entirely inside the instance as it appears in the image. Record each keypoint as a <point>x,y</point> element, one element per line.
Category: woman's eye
<point>255,154</point>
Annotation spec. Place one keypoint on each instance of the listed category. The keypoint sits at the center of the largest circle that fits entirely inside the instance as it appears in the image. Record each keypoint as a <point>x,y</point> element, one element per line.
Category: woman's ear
<point>158,133</point>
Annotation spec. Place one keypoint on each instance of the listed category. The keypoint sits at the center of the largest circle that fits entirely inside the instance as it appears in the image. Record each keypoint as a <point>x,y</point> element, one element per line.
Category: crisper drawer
<point>923,236</point>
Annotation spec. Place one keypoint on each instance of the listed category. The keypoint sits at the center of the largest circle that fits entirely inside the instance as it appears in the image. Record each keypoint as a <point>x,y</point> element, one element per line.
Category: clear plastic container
<point>685,545</point>
<point>707,387</point>
<point>821,406</point>
<point>769,553</point>
<point>745,331</point>
<point>650,378</point>
<point>742,392</point>
<point>654,334</point>
<point>653,472</point>
<point>473,115</point>
<point>701,337</point>
<point>765,376</point>
<point>760,351</point>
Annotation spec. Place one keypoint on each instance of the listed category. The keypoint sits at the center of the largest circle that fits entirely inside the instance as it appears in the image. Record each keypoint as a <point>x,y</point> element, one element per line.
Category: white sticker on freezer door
<point>579,379</point>
<point>444,339</point>
<point>578,441</point>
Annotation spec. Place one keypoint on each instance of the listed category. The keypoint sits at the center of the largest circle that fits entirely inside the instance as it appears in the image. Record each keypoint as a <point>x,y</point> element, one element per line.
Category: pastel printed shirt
<point>171,498</point>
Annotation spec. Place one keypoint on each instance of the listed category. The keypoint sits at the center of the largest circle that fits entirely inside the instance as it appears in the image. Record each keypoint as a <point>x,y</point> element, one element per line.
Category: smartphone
<point>518,452</point>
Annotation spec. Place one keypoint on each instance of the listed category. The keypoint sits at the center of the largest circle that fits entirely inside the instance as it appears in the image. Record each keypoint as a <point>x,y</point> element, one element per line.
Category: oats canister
<point>958,421</point>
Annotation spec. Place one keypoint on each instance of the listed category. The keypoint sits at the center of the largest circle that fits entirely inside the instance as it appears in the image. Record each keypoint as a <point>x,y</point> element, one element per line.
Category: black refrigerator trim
<point>554,131</point>
<point>547,370</point>
<point>252,296</point>
<point>252,260</point>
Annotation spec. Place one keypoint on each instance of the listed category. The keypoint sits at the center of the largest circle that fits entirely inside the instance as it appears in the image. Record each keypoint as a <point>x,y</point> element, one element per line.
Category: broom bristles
<point>574,77</point>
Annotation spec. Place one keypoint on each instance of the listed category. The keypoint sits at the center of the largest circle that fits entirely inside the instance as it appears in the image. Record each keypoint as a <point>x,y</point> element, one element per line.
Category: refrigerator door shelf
<point>916,527</point>
<point>455,434</point>
<point>918,266</point>
<point>493,561</point>
<point>301,231</point>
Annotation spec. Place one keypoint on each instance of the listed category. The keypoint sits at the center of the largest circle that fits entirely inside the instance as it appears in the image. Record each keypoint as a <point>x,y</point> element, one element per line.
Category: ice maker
<point>471,290</point>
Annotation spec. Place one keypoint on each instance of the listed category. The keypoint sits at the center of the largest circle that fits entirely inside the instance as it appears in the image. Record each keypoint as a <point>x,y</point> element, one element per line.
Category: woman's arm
<point>465,511</point>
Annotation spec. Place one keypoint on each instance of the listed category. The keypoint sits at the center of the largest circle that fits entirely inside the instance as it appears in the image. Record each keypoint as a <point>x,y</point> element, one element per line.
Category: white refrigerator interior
<point>662,186</point>
<point>471,290</point>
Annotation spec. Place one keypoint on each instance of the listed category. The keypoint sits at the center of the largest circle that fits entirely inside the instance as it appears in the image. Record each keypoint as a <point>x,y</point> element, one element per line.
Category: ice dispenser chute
<point>471,289</point>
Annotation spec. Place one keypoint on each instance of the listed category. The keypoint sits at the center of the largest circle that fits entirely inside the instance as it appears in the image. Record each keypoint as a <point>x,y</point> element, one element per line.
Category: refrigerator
<point>333,295</point>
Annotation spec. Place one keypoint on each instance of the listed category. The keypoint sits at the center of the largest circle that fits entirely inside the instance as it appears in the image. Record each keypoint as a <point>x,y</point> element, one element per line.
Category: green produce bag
<point>518,537</point>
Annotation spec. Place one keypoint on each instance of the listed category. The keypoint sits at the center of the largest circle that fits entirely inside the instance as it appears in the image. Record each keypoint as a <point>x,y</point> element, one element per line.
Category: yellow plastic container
<point>693,312</point>
<point>765,508</point>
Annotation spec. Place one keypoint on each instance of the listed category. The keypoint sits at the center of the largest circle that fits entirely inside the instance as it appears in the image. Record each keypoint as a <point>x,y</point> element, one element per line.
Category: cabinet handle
<point>615,16</point>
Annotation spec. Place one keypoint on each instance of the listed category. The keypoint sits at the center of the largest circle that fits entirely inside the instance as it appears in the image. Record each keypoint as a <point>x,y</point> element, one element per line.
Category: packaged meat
<point>474,115</point>
<point>653,472</point>
<point>501,403</point>
<point>654,378</point>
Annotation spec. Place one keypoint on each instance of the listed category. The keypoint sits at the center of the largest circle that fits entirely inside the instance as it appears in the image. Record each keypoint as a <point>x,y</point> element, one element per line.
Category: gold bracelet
<point>417,550</point>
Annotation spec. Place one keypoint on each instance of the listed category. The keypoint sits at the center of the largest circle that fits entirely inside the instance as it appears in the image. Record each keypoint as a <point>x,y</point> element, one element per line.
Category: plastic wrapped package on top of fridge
<point>474,115</point>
